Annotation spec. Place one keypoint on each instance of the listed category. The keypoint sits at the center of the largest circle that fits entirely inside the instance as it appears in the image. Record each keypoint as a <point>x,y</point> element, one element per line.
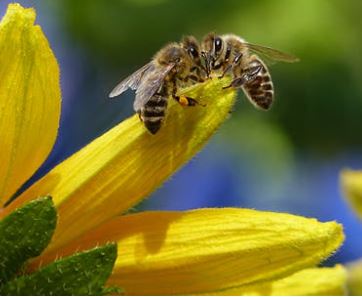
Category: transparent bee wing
<point>271,54</point>
<point>150,84</point>
<point>132,81</point>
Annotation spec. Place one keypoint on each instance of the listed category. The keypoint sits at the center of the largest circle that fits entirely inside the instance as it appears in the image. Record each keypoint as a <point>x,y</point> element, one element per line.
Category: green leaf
<point>24,234</point>
<point>80,274</point>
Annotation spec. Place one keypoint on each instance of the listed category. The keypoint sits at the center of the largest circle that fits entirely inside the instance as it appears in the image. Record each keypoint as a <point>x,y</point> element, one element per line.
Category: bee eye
<point>217,44</point>
<point>193,52</point>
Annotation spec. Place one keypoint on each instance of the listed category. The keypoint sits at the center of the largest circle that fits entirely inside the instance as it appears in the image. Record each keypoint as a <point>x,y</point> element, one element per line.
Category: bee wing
<point>150,84</point>
<point>271,54</point>
<point>132,81</point>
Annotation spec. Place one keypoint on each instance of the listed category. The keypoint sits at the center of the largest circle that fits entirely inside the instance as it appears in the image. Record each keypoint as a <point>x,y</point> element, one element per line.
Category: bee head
<point>212,47</point>
<point>192,47</point>
<point>190,44</point>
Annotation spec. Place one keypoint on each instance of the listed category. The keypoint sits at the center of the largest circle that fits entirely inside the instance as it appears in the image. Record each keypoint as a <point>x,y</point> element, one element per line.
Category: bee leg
<point>193,102</point>
<point>194,78</point>
<point>247,76</point>
<point>196,74</point>
<point>237,82</point>
<point>201,77</point>
<point>230,66</point>
<point>139,116</point>
<point>218,66</point>
<point>225,71</point>
<point>187,101</point>
<point>237,59</point>
<point>183,100</point>
<point>204,69</point>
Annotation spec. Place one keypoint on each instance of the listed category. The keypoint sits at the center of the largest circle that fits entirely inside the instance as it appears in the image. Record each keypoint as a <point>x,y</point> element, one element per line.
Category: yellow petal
<point>29,98</point>
<point>352,187</point>
<point>355,278</point>
<point>307,282</point>
<point>207,250</point>
<point>127,163</point>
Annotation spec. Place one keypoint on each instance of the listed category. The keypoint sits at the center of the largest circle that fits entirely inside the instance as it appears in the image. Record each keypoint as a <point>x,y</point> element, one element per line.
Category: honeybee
<point>175,65</point>
<point>230,53</point>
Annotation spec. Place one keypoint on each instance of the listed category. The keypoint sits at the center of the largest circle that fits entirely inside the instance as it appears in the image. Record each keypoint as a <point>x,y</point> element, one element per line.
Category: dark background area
<point>287,159</point>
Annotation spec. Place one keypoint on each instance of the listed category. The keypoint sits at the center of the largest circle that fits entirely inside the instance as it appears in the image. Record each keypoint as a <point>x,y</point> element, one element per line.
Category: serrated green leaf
<point>81,274</point>
<point>24,234</point>
<point>113,291</point>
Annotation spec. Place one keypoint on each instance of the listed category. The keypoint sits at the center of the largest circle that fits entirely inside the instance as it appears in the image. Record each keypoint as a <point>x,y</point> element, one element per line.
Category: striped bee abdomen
<point>153,113</point>
<point>260,89</point>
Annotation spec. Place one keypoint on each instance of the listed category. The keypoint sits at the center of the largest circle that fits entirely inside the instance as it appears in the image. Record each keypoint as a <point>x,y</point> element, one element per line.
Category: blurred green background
<point>287,159</point>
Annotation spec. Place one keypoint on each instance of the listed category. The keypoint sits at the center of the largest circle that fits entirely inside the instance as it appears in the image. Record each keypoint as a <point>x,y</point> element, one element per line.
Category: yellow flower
<point>192,252</point>
<point>29,99</point>
<point>355,278</point>
<point>351,182</point>
<point>307,282</point>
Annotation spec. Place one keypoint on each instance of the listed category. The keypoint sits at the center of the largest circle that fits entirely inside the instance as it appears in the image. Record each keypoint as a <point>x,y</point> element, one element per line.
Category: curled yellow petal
<point>127,163</point>
<point>207,250</point>
<point>29,98</point>
<point>355,278</point>
<point>351,182</point>
<point>307,282</point>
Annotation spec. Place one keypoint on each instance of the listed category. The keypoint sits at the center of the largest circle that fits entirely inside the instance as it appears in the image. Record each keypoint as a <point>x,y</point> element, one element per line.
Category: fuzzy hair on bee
<point>173,66</point>
<point>180,64</point>
<point>231,54</point>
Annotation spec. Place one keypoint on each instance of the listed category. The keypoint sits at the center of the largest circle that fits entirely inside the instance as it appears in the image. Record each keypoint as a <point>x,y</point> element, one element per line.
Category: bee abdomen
<point>260,90</point>
<point>153,113</point>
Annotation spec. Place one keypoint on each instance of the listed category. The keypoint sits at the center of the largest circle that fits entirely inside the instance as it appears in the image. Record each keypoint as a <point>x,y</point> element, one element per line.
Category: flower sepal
<point>25,233</point>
